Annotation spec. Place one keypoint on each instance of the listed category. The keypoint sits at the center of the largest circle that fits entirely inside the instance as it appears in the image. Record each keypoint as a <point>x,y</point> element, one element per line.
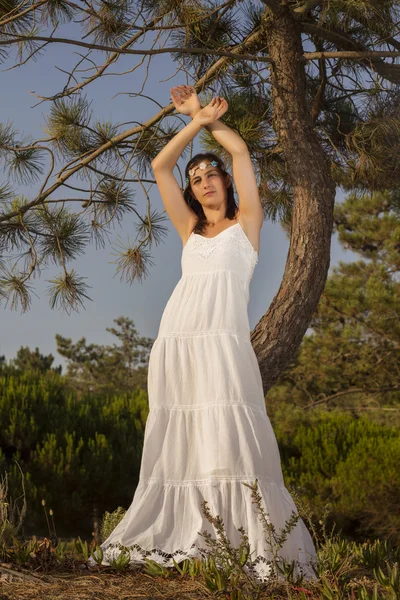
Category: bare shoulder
<point>251,225</point>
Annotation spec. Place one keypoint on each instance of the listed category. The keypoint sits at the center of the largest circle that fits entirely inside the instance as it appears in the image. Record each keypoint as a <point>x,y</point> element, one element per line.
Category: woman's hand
<point>185,99</point>
<point>212,112</point>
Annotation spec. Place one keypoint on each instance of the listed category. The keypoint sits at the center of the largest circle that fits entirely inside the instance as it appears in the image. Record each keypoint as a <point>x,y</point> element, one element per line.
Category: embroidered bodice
<point>213,293</point>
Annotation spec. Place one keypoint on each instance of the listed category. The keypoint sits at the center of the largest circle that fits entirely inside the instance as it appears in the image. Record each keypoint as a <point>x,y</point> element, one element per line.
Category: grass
<point>50,568</point>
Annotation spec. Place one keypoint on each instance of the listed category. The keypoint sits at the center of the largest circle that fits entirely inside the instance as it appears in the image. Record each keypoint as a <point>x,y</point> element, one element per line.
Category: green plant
<point>154,568</point>
<point>109,522</point>
<point>121,562</point>
<point>11,514</point>
<point>191,567</point>
<point>374,554</point>
<point>82,548</point>
<point>97,554</point>
<point>390,581</point>
<point>228,570</point>
<point>363,594</point>
<point>331,590</point>
<point>275,539</point>
<point>22,550</point>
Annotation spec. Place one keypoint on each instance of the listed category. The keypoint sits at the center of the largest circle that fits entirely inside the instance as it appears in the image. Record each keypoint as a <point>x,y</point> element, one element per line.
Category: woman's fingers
<point>175,98</point>
<point>178,95</point>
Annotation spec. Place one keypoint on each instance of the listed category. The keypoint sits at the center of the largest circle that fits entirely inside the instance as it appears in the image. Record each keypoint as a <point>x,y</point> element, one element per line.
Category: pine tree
<point>107,369</point>
<point>351,359</point>
<point>27,360</point>
<point>312,88</point>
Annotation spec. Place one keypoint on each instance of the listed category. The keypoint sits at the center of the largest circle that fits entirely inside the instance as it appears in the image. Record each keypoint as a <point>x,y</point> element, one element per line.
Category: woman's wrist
<point>209,126</point>
<point>194,113</point>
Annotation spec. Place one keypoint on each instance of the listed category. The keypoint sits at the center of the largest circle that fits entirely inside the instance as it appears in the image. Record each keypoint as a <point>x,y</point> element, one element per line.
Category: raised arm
<point>167,158</point>
<point>243,172</point>
<point>182,216</point>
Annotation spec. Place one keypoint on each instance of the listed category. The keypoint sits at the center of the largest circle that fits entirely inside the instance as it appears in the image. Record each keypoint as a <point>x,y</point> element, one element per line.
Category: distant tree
<point>352,357</point>
<point>27,360</point>
<point>344,465</point>
<point>108,369</point>
<point>312,87</point>
<point>80,453</point>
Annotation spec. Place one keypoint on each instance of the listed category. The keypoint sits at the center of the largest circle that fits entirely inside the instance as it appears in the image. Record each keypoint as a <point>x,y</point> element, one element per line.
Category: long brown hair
<point>231,207</point>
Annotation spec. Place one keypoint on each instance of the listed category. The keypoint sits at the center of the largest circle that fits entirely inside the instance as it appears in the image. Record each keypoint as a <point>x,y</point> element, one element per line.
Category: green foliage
<point>350,359</point>
<point>25,165</point>
<point>69,447</point>
<point>104,369</point>
<point>68,291</point>
<point>373,554</point>
<point>362,571</point>
<point>121,562</point>
<point>203,31</point>
<point>110,22</point>
<point>114,198</point>
<point>346,464</point>
<point>367,485</point>
<point>64,235</point>
<point>12,512</point>
<point>26,360</point>
<point>110,521</point>
<point>149,143</point>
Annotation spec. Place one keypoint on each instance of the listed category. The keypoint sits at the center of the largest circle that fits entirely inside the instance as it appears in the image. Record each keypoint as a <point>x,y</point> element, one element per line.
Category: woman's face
<point>209,186</point>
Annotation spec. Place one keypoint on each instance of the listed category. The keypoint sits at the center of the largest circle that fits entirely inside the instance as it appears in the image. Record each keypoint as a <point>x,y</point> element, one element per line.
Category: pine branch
<point>207,77</point>
<point>68,291</point>
<point>353,50</point>
<point>351,54</point>
<point>356,390</point>
<point>149,52</point>
<point>204,51</point>
<point>23,13</point>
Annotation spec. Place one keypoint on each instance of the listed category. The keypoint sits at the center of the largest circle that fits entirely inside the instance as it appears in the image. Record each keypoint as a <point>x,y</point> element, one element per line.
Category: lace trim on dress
<point>206,247</point>
<point>259,567</point>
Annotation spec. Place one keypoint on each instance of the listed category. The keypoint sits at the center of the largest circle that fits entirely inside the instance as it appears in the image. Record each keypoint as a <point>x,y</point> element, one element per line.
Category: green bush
<point>80,454</point>
<point>346,462</point>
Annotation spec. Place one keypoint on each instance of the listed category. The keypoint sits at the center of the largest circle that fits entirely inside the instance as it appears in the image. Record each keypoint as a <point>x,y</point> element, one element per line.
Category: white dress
<point>207,430</point>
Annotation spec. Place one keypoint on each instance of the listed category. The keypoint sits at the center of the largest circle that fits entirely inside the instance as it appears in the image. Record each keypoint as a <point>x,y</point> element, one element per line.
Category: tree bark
<point>279,333</point>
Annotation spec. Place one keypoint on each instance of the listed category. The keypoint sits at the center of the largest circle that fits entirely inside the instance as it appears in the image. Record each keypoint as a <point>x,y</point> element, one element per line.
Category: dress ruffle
<point>175,533</point>
<point>208,431</point>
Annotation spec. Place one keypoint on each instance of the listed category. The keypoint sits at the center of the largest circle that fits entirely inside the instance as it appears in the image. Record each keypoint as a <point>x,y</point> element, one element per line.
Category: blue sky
<point>142,302</point>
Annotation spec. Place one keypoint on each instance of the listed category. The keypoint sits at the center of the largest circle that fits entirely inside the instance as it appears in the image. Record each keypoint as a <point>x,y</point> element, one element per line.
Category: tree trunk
<point>279,333</point>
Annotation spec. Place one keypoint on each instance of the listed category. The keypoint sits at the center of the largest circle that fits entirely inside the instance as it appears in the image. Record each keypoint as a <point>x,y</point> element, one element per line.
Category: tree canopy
<point>312,86</point>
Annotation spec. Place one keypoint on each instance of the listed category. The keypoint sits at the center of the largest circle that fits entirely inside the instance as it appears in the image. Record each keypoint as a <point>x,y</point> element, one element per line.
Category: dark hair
<point>194,204</point>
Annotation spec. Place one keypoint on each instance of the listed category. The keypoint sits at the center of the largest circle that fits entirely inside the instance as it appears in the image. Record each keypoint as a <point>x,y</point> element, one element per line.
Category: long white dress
<point>207,430</point>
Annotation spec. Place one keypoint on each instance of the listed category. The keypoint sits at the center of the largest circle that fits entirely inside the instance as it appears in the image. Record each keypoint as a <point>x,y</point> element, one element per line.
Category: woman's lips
<point>208,193</point>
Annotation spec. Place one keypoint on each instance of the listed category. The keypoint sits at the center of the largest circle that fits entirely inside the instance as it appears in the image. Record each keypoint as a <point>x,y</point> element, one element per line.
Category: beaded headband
<point>202,166</point>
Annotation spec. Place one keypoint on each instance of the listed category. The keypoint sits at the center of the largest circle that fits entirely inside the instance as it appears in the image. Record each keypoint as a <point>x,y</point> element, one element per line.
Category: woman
<point>207,431</point>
